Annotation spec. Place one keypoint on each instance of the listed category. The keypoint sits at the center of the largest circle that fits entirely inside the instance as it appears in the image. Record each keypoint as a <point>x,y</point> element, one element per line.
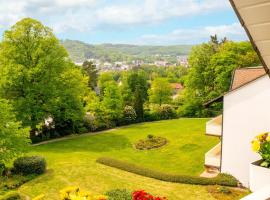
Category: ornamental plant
<point>261,145</point>
<point>142,195</point>
<point>74,193</point>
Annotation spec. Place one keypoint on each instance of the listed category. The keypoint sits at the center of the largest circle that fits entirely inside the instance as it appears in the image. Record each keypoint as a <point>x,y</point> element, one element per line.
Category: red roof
<point>177,86</point>
<point>243,76</point>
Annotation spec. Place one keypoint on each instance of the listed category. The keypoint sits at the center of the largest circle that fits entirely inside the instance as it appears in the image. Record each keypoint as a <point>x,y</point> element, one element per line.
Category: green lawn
<point>72,162</point>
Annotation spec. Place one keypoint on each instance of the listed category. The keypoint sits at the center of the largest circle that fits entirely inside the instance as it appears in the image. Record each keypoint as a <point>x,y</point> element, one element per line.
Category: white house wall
<point>246,114</point>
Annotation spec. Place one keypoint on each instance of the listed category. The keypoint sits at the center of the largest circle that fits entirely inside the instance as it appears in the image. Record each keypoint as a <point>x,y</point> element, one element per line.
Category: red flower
<point>142,195</point>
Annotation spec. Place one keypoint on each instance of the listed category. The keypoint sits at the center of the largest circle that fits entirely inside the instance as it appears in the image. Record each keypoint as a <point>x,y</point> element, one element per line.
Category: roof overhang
<point>254,15</point>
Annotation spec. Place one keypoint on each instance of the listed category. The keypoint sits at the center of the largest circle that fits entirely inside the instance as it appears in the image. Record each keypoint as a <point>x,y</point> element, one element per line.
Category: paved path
<point>73,136</point>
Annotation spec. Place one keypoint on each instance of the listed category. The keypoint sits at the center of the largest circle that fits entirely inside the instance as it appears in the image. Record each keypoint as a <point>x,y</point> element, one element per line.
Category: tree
<point>103,79</point>
<point>13,137</point>
<point>91,70</point>
<point>160,91</point>
<point>137,88</point>
<point>112,101</point>
<point>34,72</point>
<point>211,67</point>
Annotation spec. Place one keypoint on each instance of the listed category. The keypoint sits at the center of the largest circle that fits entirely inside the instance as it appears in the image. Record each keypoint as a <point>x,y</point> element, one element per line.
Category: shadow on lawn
<point>96,143</point>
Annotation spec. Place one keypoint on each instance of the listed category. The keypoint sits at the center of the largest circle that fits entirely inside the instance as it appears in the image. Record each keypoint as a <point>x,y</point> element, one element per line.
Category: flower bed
<point>151,142</point>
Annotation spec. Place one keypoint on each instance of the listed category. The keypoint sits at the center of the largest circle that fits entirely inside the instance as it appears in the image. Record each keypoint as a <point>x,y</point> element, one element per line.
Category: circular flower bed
<point>151,142</point>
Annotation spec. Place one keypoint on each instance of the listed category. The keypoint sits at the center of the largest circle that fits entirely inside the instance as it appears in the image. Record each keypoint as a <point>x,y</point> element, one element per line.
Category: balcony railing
<point>212,157</point>
<point>214,126</point>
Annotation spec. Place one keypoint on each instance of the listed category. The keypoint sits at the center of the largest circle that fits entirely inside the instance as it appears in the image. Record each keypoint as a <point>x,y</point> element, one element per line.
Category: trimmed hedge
<point>30,165</point>
<point>221,179</point>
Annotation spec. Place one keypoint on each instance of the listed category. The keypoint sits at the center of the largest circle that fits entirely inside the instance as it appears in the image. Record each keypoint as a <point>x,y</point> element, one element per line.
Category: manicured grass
<point>73,162</point>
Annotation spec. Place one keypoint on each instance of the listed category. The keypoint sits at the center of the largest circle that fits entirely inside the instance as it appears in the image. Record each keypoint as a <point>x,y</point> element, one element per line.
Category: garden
<point>72,163</point>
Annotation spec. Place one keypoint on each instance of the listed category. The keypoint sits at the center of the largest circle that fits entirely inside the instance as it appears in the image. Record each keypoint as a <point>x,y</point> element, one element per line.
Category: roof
<point>243,76</point>
<point>177,86</point>
<point>254,16</point>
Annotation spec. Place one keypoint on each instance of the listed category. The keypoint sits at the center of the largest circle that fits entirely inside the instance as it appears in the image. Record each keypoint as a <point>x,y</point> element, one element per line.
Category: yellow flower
<point>262,136</point>
<point>268,138</point>
<point>101,197</point>
<point>256,145</point>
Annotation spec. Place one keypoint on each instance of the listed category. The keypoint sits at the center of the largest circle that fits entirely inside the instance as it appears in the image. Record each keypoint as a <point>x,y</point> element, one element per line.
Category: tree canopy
<point>37,75</point>
<point>13,137</point>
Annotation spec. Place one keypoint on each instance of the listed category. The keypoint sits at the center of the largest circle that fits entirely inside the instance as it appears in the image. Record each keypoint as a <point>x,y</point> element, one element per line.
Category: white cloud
<point>150,11</point>
<point>83,15</point>
<point>190,36</point>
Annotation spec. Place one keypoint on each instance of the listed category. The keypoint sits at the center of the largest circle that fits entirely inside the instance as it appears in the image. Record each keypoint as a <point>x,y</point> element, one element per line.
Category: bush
<point>166,111</point>
<point>152,142</point>
<point>30,165</point>
<point>221,179</point>
<point>11,196</point>
<point>129,114</point>
<point>119,194</point>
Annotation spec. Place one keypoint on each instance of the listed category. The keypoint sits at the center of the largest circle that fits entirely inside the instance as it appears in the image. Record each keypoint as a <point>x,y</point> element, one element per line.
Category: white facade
<point>246,114</point>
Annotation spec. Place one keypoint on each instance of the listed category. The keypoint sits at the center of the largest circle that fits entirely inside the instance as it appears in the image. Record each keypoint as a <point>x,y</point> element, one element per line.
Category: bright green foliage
<point>103,80</point>
<point>37,75</point>
<point>13,138</point>
<point>91,71</point>
<point>137,88</point>
<point>112,101</point>
<point>160,91</point>
<point>210,73</point>
<point>67,107</point>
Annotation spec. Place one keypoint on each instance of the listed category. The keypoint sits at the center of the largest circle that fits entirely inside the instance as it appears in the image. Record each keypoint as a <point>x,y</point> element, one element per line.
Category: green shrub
<point>221,179</point>
<point>151,142</point>
<point>30,165</point>
<point>166,111</point>
<point>119,194</point>
<point>11,196</point>
<point>129,114</point>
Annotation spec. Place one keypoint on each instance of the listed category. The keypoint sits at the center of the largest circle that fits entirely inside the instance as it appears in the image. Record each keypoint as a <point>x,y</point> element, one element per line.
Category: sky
<point>142,22</point>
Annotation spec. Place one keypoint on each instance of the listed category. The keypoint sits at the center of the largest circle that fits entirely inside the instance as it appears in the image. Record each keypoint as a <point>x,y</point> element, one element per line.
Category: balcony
<point>214,126</point>
<point>212,157</point>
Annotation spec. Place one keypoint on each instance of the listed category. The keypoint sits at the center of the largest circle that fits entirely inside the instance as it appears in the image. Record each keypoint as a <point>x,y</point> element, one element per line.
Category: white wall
<point>246,114</point>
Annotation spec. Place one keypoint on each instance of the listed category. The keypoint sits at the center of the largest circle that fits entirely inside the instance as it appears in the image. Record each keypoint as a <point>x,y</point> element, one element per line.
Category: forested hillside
<point>80,51</point>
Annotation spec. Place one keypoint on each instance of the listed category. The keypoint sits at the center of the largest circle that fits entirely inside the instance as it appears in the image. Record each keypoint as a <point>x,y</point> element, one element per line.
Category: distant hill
<point>80,51</point>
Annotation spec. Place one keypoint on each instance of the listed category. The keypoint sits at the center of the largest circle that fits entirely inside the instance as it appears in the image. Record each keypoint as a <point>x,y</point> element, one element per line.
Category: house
<point>246,107</point>
<point>243,105</point>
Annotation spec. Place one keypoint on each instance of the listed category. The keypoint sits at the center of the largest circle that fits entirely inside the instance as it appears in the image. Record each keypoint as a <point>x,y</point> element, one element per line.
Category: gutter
<point>250,37</point>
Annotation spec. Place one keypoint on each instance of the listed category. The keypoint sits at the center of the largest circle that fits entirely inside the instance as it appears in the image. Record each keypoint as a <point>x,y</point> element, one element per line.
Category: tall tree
<point>112,101</point>
<point>13,137</point>
<point>137,87</point>
<point>33,64</point>
<point>160,91</point>
<point>91,70</point>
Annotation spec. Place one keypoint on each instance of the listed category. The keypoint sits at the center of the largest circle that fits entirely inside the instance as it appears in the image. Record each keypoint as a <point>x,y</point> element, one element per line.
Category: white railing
<point>214,126</point>
<point>212,157</point>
